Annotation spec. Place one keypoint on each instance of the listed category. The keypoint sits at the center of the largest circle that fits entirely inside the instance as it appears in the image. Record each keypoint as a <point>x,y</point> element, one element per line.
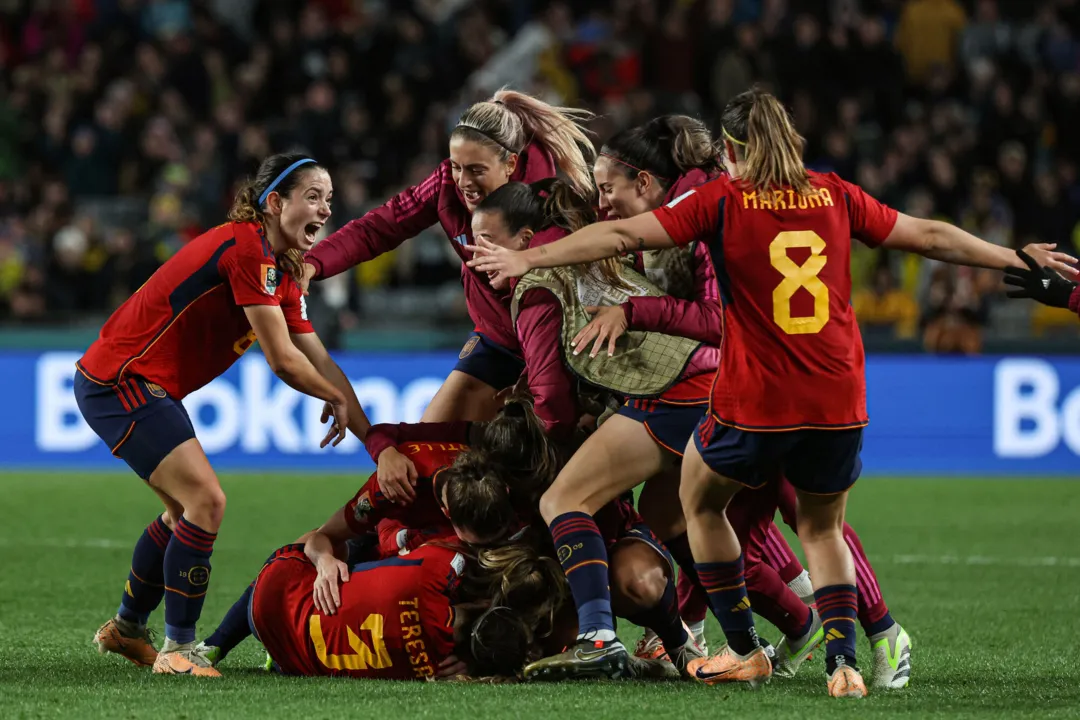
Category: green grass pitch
<point>985,575</point>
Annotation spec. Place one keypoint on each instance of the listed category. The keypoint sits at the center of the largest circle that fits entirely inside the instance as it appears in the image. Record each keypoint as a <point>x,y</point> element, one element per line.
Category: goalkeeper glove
<point>1038,283</point>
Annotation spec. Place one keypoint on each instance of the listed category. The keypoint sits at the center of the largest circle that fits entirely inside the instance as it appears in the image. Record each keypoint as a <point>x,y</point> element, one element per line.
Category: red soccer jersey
<point>187,325</point>
<point>791,355</point>
<point>369,505</point>
<point>396,620</point>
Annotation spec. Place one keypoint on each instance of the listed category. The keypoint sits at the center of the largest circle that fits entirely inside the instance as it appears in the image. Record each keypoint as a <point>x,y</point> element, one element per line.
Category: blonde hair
<point>759,126</point>
<point>510,120</point>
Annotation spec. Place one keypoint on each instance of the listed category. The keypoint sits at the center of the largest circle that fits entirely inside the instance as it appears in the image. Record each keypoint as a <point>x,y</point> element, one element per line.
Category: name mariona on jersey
<point>786,200</point>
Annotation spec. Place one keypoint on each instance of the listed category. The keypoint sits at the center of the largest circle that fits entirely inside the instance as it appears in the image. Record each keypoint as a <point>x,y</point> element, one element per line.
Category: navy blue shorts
<point>642,533</point>
<point>671,426</point>
<point>489,362</point>
<point>822,462</point>
<point>137,419</point>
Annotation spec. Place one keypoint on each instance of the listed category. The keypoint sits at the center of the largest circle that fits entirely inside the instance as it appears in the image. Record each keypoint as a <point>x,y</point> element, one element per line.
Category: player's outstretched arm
<point>595,242</point>
<point>316,353</point>
<point>325,548</point>
<point>948,243</point>
<point>294,369</point>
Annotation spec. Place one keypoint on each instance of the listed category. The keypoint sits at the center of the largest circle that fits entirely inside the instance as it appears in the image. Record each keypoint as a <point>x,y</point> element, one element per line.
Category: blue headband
<point>284,173</point>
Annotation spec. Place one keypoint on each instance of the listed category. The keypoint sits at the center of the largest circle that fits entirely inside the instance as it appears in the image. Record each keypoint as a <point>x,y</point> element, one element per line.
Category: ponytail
<point>761,129</point>
<point>665,147</point>
<point>511,120</point>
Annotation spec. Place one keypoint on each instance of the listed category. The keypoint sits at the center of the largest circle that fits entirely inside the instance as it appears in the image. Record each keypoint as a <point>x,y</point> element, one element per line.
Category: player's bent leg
<point>185,475</point>
<point>705,496</point>
<point>617,457</point>
<point>463,397</point>
<point>642,591</point>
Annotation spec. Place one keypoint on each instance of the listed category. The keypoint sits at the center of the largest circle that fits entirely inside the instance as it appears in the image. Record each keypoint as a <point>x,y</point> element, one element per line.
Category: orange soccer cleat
<point>137,647</point>
<point>846,681</point>
<point>184,661</point>
<point>727,667</point>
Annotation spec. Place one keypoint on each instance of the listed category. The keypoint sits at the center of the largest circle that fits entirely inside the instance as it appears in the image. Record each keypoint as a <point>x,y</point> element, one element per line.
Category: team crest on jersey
<point>469,347</point>
<point>363,508</point>
<point>155,389</point>
<point>271,276</point>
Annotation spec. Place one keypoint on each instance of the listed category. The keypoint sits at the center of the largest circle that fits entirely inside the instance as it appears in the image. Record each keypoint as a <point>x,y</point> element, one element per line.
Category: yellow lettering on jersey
<point>803,202</point>
<point>778,200</point>
<point>363,657</point>
<point>410,616</point>
<point>417,659</point>
<point>242,345</point>
<point>799,276</point>
<point>813,200</point>
<point>415,602</point>
<point>766,201</point>
<point>410,631</point>
<point>748,198</point>
<point>826,196</point>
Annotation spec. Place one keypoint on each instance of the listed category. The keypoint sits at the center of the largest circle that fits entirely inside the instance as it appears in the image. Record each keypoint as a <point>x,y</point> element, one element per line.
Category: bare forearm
<point>358,421</point>
<point>317,546</point>
<point>595,242</point>
<point>950,244</point>
<point>297,372</point>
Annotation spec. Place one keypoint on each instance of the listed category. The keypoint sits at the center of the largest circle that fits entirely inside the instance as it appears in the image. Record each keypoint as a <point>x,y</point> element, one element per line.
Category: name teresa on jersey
<point>786,200</point>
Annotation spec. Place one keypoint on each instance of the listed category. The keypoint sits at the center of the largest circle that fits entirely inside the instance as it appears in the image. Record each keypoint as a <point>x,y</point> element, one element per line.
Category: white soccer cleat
<point>892,658</point>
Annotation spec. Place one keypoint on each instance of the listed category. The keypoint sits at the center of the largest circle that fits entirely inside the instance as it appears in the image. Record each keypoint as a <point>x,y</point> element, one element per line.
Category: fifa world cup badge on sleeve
<point>363,508</point>
<point>270,279</point>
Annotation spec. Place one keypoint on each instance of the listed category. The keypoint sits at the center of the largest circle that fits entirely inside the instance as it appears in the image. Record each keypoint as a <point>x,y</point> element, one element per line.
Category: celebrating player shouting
<point>512,136</point>
<point>192,320</point>
<point>791,392</point>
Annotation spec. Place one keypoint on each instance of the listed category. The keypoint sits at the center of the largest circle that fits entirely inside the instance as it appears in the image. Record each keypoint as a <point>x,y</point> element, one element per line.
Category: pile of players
<point>689,333</point>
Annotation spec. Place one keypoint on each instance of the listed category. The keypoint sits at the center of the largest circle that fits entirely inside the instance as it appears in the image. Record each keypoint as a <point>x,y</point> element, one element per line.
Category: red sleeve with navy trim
<point>250,269</point>
<point>693,215</point>
<point>871,220</point>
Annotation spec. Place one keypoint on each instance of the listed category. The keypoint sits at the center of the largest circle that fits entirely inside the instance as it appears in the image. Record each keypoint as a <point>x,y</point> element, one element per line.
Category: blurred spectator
<point>884,306</point>
<point>954,312</point>
<point>928,36</point>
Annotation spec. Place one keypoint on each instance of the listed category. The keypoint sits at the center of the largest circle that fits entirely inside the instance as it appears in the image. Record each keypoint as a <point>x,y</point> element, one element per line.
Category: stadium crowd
<point>125,125</point>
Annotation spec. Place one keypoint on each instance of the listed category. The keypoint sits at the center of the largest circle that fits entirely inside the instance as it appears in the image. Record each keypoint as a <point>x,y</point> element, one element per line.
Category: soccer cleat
<point>650,647</point>
<point>586,659</point>
<point>846,681</point>
<point>138,647</point>
<point>211,652</point>
<point>268,664</point>
<point>683,655</point>
<point>185,659</point>
<point>790,654</point>
<point>892,659</point>
<point>727,667</point>
<point>639,668</point>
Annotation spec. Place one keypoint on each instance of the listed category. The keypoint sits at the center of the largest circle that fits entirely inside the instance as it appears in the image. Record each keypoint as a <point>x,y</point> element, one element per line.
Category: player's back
<point>792,355</point>
<point>186,324</point>
<point>395,621</point>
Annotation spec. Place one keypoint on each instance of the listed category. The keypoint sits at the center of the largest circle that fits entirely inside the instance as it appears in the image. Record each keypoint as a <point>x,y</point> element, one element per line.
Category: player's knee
<point>551,503</point>
<point>169,519</point>
<point>207,510</point>
<point>818,526</point>
<point>638,586</point>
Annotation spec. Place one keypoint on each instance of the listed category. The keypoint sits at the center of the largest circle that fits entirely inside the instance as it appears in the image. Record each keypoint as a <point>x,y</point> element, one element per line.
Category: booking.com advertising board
<point>928,415</point>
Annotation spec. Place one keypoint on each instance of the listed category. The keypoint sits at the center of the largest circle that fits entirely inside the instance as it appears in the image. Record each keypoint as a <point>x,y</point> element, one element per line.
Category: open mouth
<point>471,196</point>
<point>312,229</point>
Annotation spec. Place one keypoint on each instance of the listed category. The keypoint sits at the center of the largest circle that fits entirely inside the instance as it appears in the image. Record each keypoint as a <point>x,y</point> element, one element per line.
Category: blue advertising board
<point>928,415</point>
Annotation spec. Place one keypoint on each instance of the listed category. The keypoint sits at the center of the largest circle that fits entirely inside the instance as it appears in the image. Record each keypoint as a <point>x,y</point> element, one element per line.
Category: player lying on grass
<point>790,398</point>
<point>192,320</point>
<point>402,618</point>
<point>670,378</point>
<point>432,486</point>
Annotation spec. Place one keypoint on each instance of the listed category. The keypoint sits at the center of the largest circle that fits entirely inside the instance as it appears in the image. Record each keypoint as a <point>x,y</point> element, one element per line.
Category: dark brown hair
<point>515,445</point>
<point>246,206</point>
<point>665,147</point>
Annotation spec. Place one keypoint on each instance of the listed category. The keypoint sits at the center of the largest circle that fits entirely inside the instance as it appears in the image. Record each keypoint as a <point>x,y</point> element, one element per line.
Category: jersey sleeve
<point>294,307</point>
<point>691,216</point>
<point>380,230</point>
<point>539,325</point>
<point>871,220</point>
<point>367,507</point>
<point>252,274</point>
<point>386,435</point>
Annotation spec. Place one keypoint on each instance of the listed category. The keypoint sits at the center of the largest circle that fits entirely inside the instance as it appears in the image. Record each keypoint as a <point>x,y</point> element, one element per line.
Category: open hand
<point>496,260</point>
<point>397,476</point>
<point>608,325</point>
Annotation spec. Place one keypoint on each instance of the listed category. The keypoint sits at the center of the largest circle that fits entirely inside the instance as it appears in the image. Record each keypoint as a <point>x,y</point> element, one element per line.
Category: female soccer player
<point>192,320</point>
<point>401,618</point>
<point>637,171</point>
<point>793,400</point>
<point>511,137</point>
